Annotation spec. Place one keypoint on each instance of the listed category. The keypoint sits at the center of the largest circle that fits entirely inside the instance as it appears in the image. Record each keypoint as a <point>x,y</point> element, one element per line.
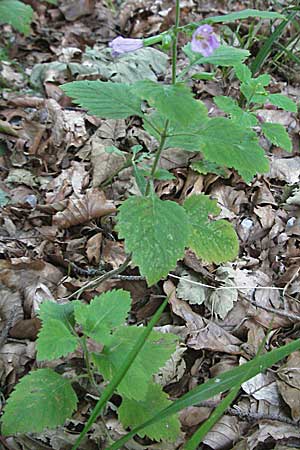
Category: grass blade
<point>110,389</point>
<point>268,44</point>
<point>218,412</point>
<point>222,383</point>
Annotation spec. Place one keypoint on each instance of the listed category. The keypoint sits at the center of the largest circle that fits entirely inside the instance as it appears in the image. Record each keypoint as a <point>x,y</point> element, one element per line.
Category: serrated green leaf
<point>254,90</point>
<point>63,312</point>
<point>277,134</point>
<point>55,340</point>
<point>226,143</point>
<point>156,351</point>
<point>213,241</point>
<point>204,167</point>
<point>155,232</point>
<point>283,102</point>
<point>225,56</point>
<point>174,102</point>
<point>105,99</point>
<point>230,106</point>
<point>140,179</point>
<point>243,72</point>
<point>42,399</point>
<point>203,76</point>
<point>105,313</point>
<point>17,14</point>
<point>133,413</point>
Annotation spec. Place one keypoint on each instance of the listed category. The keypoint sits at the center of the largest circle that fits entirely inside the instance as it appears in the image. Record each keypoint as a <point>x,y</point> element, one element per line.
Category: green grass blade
<point>268,44</point>
<point>198,436</point>
<point>110,389</point>
<point>222,383</point>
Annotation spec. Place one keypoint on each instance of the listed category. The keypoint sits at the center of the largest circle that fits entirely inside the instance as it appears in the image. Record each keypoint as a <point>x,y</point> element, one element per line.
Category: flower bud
<point>121,45</point>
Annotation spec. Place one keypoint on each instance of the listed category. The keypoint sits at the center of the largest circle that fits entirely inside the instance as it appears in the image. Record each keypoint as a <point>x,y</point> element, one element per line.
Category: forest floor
<point>55,178</point>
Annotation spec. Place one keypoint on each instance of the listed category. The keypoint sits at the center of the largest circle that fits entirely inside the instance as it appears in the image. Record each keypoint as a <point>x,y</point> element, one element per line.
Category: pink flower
<point>204,40</point>
<point>122,45</point>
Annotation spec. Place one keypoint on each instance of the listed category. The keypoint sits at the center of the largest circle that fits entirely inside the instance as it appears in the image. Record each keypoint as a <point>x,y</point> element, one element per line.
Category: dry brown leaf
<point>11,309</point>
<point>271,432</point>
<point>68,127</point>
<point>26,329</point>
<point>104,164</point>
<point>74,10</point>
<point>203,334</point>
<point>173,369</point>
<point>93,247</point>
<point>113,253</point>
<point>285,169</point>
<point>83,208</point>
<point>229,200</point>
<point>223,434</point>
<point>289,383</point>
<point>194,415</point>
<point>15,357</point>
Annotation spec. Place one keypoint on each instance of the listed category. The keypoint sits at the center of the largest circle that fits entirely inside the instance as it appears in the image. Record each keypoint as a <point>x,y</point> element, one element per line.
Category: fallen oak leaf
<point>82,208</point>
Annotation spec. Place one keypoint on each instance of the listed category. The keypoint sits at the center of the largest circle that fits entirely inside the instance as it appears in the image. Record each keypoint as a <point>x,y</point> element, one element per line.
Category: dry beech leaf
<point>105,164</point>
<point>26,329</point>
<point>83,208</point>
<point>289,383</point>
<point>93,247</point>
<point>203,333</point>
<point>285,169</point>
<point>223,434</point>
<point>271,432</point>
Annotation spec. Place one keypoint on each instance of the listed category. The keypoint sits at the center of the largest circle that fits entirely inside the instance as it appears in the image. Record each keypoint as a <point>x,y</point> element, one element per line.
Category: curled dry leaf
<point>82,208</point>
<point>174,368</point>
<point>93,247</point>
<point>289,383</point>
<point>11,309</point>
<point>271,432</point>
<point>223,434</point>
<point>203,333</point>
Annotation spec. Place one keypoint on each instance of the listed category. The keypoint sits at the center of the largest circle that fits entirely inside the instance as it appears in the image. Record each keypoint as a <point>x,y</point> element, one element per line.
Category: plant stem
<point>157,156</point>
<point>120,374</point>
<point>88,365</point>
<point>175,39</point>
<point>164,134</point>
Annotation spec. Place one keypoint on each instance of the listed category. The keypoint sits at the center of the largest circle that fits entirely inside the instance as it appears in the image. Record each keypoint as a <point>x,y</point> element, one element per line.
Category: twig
<point>251,416</point>
<point>278,312</point>
<point>104,277</point>
<point>257,417</point>
<point>92,272</point>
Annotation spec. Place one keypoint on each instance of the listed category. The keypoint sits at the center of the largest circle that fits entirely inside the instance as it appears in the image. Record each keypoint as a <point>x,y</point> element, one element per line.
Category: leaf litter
<point>57,229</point>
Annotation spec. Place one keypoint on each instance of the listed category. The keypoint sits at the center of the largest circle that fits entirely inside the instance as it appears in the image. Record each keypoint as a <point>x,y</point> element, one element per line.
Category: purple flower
<point>204,40</point>
<point>122,45</point>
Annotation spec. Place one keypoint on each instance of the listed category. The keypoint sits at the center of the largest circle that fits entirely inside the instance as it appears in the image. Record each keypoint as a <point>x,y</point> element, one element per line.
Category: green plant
<point>156,233</point>
<point>17,14</point>
<point>100,323</point>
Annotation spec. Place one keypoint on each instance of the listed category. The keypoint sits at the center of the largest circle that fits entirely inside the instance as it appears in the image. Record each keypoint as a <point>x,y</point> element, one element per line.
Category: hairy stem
<point>175,39</point>
<point>164,134</point>
<point>157,156</point>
